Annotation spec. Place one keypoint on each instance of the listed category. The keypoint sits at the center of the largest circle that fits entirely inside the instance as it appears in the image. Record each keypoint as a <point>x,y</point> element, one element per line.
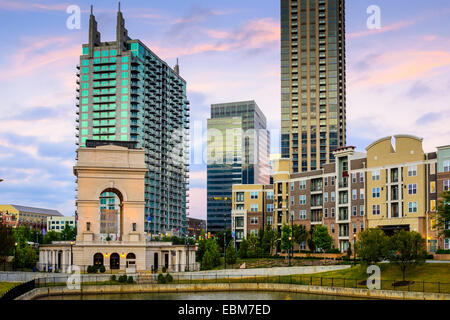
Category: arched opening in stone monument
<point>114,261</point>
<point>111,215</point>
<point>98,259</point>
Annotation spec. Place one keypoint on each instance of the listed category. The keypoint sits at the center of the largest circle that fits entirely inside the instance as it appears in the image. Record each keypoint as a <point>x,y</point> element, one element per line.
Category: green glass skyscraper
<point>127,93</point>
<point>313,105</point>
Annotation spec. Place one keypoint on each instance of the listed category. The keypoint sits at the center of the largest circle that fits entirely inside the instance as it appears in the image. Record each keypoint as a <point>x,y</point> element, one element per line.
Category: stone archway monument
<point>112,169</point>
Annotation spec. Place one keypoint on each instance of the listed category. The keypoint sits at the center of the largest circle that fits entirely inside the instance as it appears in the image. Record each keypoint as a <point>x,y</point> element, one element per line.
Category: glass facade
<point>238,153</point>
<point>127,93</point>
<point>312,81</point>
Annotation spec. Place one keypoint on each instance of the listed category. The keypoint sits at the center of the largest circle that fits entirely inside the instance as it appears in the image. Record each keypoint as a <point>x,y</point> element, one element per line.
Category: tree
<point>7,241</point>
<point>286,233</point>
<point>25,257</point>
<point>231,253</point>
<point>243,249</point>
<point>68,233</point>
<point>408,249</point>
<point>300,233</point>
<point>321,239</point>
<point>22,234</point>
<point>51,236</point>
<point>269,240</point>
<point>200,250</point>
<point>443,215</point>
<point>220,238</point>
<point>253,246</point>
<point>211,258</point>
<point>372,246</point>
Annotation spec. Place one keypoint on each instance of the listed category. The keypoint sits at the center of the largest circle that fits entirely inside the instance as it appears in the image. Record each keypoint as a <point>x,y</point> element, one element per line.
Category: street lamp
<point>354,249</point>
<point>15,249</point>
<point>71,255</point>
<point>289,251</point>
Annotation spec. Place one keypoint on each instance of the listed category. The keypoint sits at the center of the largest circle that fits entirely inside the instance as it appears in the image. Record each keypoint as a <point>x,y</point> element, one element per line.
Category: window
<point>302,214</point>
<point>270,207</point>
<point>433,205</point>
<point>332,228</point>
<point>361,194</point>
<point>412,207</point>
<point>325,195</point>
<point>254,220</point>
<point>375,175</point>
<point>88,226</point>
<point>292,186</point>
<point>269,220</point>
<point>354,194</point>
<point>254,195</point>
<point>446,165</point>
<point>239,197</point>
<point>254,208</point>
<point>333,210</point>
<point>270,195</point>
<point>361,177</point>
<point>446,185</point>
<point>447,244</point>
<point>433,187</point>
<point>302,184</point>
<point>303,245</point>
<point>303,199</point>
<point>325,181</point>
<point>292,200</point>
<point>361,210</point>
<point>412,188</point>
<point>376,209</point>
<point>254,232</point>
<point>134,226</point>
<point>375,192</point>
<point>354,227</point>
<point>353,177</point>
<point>354,211</point>
<point>332,180</point>
<point>333,196</point>
<point>412,171</point>
<point>325,213</point>
<point>361,227</point>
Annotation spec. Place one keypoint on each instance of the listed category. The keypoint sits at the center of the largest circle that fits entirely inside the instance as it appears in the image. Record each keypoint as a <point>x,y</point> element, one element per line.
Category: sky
<point>397,77</point>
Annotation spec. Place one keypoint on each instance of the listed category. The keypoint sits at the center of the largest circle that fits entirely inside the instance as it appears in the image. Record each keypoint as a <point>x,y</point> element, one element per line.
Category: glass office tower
<point>313,103</point>
<point>127,93</point>
<point>238,153</point>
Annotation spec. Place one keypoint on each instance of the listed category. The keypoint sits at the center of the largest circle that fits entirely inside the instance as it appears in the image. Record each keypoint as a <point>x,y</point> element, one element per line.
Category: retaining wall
<point>209,287</point>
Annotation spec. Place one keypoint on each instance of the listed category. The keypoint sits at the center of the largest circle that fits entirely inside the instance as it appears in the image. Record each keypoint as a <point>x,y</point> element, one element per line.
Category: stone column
<point>64,261</point>
<point>53,260</point>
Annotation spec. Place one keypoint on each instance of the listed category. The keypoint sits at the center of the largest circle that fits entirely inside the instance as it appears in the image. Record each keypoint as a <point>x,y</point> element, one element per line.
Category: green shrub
<point>113,278</point>
<point>91,269</point>
<point>102,269</point>
<point>334,250</point>
<point>164,269</point>
<point>169,278</point>
<point>442,251</point>
<point>130,280</point>
<point>123,278</point>
<point>161,279</point>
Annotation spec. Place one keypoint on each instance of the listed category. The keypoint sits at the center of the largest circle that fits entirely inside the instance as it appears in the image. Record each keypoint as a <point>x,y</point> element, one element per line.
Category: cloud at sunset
<point>397,78</point>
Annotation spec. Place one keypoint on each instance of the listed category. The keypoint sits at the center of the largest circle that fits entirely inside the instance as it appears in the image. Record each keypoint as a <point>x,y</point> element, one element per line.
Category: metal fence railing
<point>211,277</point>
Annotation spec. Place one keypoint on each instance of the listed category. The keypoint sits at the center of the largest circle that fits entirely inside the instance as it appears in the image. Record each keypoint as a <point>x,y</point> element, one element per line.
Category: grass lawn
<point>5,286</point>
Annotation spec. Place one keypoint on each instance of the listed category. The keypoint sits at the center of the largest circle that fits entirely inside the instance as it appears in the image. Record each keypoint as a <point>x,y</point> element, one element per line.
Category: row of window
<point>412,208</point>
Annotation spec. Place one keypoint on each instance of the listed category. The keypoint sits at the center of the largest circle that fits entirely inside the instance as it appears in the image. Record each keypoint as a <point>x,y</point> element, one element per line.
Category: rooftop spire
<point>119,6</point>
<point>177,68</point>
<point>92,9</point>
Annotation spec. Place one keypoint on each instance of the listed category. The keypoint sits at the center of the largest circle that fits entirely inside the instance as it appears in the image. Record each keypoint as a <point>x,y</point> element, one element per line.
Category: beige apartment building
<point>392,187</point>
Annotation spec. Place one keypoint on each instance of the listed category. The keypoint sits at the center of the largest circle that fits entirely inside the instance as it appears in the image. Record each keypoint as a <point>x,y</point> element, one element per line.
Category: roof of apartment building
<point>49,212</point>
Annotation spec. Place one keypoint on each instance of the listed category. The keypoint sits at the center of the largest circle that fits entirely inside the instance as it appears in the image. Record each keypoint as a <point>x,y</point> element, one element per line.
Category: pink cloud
<point>29,6</point>
<point>400,66</point>
<point>254,34</point>
<point>392,27</point>
<point>32,58</point>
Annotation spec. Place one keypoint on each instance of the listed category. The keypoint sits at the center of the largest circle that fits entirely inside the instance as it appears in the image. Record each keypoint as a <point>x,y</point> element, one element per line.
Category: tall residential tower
<point>238,153</point>
<point>127,93</point>
<point>313,103</point>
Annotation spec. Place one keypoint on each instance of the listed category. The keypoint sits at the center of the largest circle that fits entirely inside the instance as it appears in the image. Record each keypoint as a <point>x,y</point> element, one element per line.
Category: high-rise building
<point>238,153</point>
<point>313,103</point>
<point>127,93</point>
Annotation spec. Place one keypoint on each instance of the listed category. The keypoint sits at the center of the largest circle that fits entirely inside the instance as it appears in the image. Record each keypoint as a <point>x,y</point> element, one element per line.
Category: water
<point>236,295</point>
